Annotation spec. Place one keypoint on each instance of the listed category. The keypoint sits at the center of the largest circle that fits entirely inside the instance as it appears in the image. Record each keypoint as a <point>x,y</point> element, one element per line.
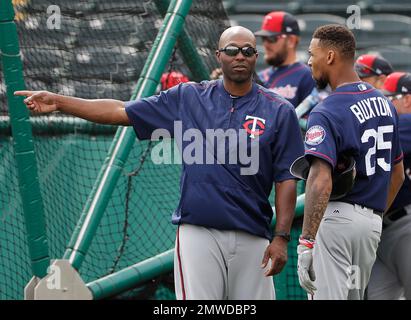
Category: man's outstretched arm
<point>105,111</point>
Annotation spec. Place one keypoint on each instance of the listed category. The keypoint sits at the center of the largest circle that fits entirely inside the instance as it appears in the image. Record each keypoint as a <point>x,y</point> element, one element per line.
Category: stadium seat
<point>309,22</point>
<point>328,6</point>
<point>261,6</point>
<point>250,21</point>
<point>46,75</point>
<point>97,29</point>
<point>34,30</point>
<point>44,57</point>
<point>73,8</point>
<point>95,89</point>
<point>383,29</point>
<point>99,63</point>
<point>126,6</point>
<point>391,6</point>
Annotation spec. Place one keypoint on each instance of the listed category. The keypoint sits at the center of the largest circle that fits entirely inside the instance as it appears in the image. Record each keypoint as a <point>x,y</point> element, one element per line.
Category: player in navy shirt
<point>285,76</point>
<point>391,274</point>
<point>357,121</point>
<point>224,214</point>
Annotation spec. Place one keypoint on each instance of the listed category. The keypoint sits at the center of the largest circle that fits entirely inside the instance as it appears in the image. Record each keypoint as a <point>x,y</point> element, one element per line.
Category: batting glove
<point>305,269</point>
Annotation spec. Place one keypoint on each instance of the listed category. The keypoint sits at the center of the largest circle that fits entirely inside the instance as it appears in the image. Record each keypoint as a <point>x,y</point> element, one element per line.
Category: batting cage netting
<point>97,49</point>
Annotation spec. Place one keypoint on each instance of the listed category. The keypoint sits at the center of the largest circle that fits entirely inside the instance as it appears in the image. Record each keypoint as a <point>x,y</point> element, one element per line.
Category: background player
<point>391,274</point>
<point>357,121</point>
<point>373,69</point>
<point>223,247</point>
<point>285,76</point>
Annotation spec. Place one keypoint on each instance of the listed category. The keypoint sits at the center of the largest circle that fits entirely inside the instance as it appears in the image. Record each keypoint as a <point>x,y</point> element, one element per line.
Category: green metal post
<point>188,51</point>
<point>23,143</point>
<point>299,209</point>
<point>133,276</point>
<point>125,136</point>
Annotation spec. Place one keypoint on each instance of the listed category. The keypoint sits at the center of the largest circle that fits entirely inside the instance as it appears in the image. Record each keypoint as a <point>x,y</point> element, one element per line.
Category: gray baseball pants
<point>391,273</point>
<point>345,251</point>
<point>212,264</point>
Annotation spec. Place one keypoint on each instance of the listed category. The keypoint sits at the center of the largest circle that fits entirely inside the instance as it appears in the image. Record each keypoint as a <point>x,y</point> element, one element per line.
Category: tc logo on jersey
<point>315,135</point>
<point>257,126</point>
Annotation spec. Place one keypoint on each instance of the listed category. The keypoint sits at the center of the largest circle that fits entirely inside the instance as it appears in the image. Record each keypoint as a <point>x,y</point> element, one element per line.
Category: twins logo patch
<point>315,135</point>
<point>254,126</point>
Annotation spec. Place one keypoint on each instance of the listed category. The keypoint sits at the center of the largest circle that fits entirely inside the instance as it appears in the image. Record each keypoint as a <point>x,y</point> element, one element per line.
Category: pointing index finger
<point>23,93</point>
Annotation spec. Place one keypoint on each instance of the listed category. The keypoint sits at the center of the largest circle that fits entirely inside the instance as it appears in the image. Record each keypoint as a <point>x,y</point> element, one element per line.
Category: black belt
<point>394,215</point>
<point>378,213</point>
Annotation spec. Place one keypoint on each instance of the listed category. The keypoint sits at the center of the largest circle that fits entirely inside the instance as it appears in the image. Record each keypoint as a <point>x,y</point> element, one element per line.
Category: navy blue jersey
<point>293,82</point>
<point>356,119</point>
<point>404,195</point>
<point>218,195</point>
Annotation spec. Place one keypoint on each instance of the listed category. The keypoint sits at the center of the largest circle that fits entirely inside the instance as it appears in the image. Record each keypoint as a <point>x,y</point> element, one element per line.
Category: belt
<point>394,215</point>
<point>378,213</point>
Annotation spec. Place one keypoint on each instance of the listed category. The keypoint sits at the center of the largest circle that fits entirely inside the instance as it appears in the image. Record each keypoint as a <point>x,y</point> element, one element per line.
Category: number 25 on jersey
<point>377,149</point>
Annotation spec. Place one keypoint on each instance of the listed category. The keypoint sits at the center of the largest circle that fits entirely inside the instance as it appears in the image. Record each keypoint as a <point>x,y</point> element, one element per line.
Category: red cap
<point>278,22</point>
<point>397,83</point>
<point>368,65</point>
<point>171,79</point>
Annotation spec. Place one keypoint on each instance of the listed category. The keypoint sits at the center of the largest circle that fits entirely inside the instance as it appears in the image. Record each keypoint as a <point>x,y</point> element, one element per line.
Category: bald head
<point>233,33</point>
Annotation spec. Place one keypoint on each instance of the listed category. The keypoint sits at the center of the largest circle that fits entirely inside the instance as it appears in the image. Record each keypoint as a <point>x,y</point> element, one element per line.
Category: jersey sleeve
<point>321,139</point>
<point>396,152</point>
<point>155,112</point>
<point>288,144</point>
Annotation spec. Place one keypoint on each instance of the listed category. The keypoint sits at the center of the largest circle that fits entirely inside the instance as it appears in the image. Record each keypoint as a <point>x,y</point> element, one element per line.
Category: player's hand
<point>305,269</point>
<point>277,252</point>
<point>39,101</point>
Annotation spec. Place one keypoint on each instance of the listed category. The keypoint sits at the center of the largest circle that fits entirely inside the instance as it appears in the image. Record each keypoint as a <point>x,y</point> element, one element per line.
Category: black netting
<point>98,51</point>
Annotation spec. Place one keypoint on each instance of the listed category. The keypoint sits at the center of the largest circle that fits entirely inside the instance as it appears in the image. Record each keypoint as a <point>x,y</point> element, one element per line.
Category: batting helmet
<point>343,176</point>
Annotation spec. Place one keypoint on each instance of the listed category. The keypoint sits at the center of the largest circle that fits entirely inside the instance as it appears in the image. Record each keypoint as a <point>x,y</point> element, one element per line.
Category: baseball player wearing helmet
<point>391,274</point>
<point>223,248</point>
<point>340,237</point>
<point>286,76</point>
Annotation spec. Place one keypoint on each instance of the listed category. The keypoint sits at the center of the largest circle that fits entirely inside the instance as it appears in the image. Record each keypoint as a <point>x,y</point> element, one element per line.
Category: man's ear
<point>294,41</point>
<point>330,57</point>
<point>217,54</point>
<point>407,104</point>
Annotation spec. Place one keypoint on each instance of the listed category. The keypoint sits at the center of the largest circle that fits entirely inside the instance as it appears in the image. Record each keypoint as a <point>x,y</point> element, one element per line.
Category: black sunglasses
<point>273,39</point>
<point>395,97</point>
<point>232,51</point>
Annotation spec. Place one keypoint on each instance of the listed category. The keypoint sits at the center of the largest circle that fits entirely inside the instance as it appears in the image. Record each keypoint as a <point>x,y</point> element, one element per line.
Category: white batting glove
<point>305,269</point>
